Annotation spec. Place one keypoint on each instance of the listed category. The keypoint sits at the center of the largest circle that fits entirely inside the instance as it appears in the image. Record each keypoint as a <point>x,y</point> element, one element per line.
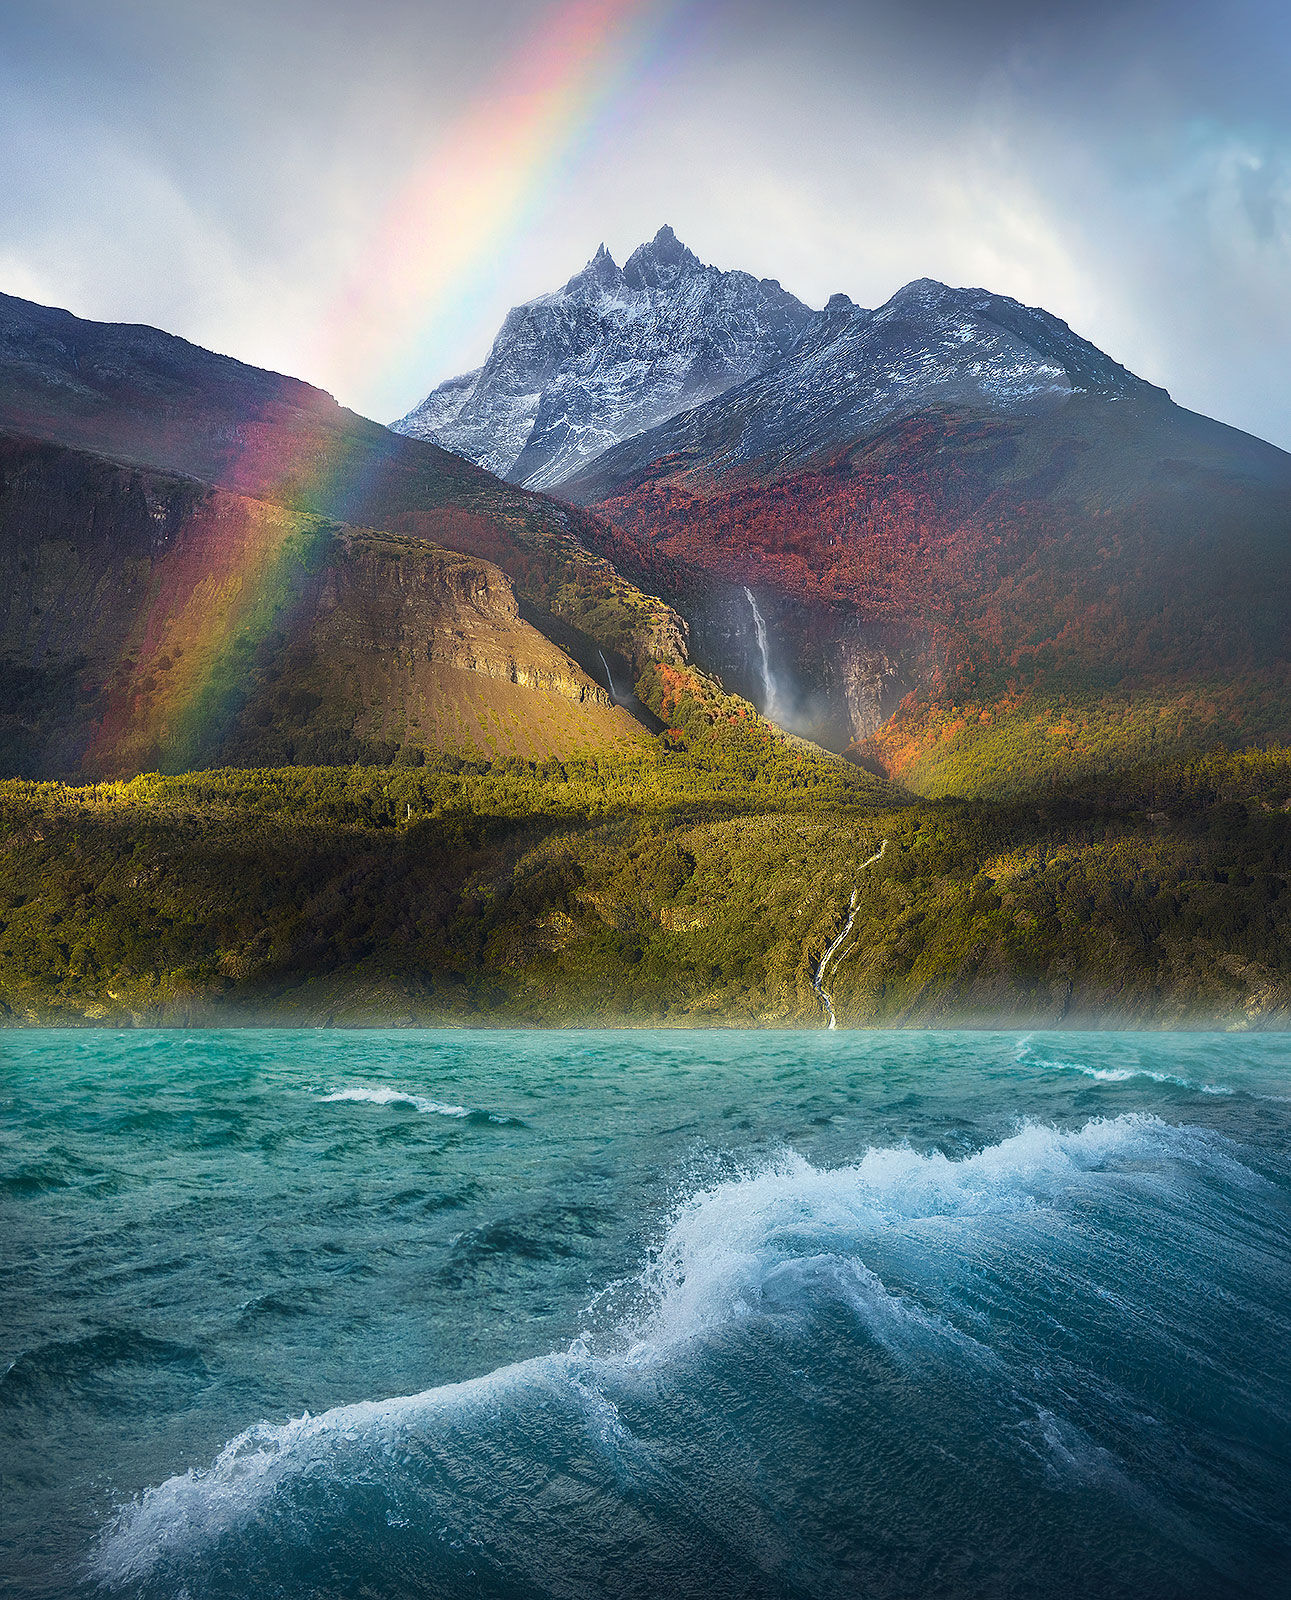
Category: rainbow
<point>225,583</point>
<point>489,178</point>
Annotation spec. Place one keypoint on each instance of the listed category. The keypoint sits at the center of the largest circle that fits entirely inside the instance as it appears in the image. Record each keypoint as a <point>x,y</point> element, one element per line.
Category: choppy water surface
<point>657,1314</point>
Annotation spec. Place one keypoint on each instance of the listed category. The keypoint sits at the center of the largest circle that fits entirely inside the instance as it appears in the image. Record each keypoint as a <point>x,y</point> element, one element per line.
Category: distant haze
<point>357,194</point>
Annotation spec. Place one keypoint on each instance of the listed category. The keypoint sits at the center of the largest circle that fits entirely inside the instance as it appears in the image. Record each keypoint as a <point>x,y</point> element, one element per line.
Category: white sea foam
<point>766,1244</point>
<point>1125,1074</point>
<point>729,1245</point>
<point>196,1507</point>
<point>379,1095</point>
<point>1026,1056</point>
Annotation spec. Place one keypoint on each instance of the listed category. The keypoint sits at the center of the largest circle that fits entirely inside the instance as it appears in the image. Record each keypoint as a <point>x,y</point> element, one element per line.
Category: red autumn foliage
<point>947,524</point>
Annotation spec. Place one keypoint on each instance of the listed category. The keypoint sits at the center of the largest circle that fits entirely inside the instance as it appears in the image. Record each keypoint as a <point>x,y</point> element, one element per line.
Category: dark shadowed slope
<point>151,399</point>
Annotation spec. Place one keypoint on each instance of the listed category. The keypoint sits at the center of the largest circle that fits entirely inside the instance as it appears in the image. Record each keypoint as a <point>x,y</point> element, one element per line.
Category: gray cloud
<point>221,170</point>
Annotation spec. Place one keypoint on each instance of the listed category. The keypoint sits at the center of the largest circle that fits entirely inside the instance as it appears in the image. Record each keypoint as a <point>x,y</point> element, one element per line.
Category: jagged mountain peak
<point>614,352</point>
<point>621,353</point>
<point>661,262</point>
<point>852,371</point>
<point>601,273</point>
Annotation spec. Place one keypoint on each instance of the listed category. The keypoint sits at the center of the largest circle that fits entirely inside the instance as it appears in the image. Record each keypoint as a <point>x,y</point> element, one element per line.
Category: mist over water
<point>532,1314</point>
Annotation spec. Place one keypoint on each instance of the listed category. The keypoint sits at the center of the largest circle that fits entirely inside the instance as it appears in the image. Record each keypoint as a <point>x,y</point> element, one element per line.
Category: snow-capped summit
<point>660,263</point>
<point>613,353</point>
<point>852,371</point>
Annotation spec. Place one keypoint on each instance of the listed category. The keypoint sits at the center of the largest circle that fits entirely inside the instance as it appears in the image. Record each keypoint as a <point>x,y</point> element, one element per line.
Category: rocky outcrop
<point>871,677</point>
<point>383,595</point>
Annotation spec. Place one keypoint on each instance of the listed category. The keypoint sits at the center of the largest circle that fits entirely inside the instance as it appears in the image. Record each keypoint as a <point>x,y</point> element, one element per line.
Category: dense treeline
<point>666,887</point>
<point>967,528</point>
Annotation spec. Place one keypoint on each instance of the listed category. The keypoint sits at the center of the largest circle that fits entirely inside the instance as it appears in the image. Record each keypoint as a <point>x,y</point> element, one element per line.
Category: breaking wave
<point>1026,1056</point>
<point>381,1095</point>
<point>785,1313</point>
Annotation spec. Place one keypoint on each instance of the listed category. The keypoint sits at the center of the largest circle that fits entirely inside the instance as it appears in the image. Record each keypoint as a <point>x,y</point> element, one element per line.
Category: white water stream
<point>818,982</point>
<point>764,657</point>
<point>609,676</point>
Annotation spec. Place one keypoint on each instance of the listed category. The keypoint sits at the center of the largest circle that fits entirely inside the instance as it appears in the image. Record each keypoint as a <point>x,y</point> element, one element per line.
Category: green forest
<point>693,879</point>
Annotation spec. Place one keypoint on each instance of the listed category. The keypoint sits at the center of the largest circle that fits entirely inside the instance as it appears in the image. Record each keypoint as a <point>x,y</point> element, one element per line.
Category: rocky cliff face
<point>613,353</point>
<point>814,670</point>
<point>151,622</point>
<point>382,596</point>
<point>143,397</point>
<point>870,671</point>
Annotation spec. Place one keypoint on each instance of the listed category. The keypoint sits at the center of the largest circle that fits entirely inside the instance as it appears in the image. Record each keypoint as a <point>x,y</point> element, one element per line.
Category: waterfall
<point>818,982</point>
<point>609,676</point>
<point>764,658</point>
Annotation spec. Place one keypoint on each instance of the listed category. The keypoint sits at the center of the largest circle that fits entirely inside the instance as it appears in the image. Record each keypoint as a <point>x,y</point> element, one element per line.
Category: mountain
<point>949,537</point>
<point>852,370</point>
<point>956,541</point>
<point>204,560</point>
<point>983,554</point>
<point>612,354</point>
<point>152,623</point>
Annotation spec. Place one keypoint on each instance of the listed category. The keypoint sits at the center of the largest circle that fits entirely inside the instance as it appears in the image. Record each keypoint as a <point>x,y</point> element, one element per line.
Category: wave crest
<point>771,1246</point>
<point>382,1095</point>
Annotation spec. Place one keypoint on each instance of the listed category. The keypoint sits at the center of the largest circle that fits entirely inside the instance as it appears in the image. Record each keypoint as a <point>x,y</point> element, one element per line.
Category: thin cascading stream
<point>609,677</point>
<point>764,657</point>
<point>818,982</point>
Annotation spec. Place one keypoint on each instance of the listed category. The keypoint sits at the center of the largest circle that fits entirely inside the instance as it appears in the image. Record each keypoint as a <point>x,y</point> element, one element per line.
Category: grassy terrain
<point>1043,737</point>
<point>694,880</point>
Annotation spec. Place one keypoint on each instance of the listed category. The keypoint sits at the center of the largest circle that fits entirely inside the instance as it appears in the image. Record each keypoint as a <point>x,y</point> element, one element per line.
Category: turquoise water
<point>658,1314</point>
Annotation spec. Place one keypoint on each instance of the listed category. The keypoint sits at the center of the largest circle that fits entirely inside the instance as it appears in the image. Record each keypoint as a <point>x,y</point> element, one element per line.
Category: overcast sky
<point>356,192</point>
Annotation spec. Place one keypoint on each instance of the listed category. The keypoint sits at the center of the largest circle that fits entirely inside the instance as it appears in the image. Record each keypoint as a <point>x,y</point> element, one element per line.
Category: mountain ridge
<point>193,501</point>
<point>947,515</point>
<point>612,352</point>
<point>851,370</point>
<point>958,502</point>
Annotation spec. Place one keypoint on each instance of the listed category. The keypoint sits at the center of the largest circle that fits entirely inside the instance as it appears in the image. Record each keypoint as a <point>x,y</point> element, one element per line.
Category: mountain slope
<point>290,458</point>
<point>957,515</point>
<point>611,354</point>
<point>149,399</point>
<point>1114,583</point>
<point>149,622</point>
